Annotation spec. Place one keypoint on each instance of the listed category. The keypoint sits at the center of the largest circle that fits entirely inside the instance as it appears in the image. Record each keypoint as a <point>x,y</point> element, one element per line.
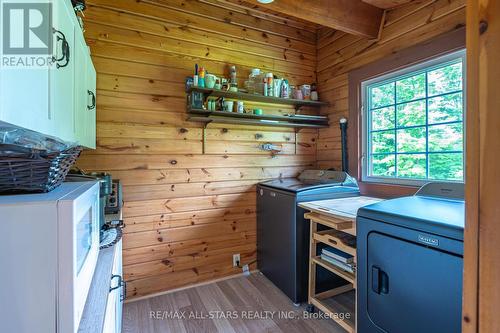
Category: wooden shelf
<point>335,223</point>
<point>340,308</point>
<point>334,238</point>
<point>258,98</point>
<point>205,116</point>
<point>334,269</point>
<point>291,118</point>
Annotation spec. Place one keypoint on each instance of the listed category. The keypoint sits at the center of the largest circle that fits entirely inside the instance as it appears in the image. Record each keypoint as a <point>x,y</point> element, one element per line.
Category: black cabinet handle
<point>120,282</point>
<point>63,60</point>
<point>92,95</point>
<point>380,281</point>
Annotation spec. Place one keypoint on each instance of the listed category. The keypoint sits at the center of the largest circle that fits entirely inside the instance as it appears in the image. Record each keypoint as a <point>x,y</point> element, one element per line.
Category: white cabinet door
<point>80,86</point>
<point>85,92</point>
<point>90,138</point>
<point>62,73</point>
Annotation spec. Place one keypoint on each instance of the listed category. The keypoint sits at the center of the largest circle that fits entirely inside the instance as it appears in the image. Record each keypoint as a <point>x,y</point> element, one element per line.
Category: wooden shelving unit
<point>339,216</point>
<point>330,302</point>
<point>294,121</point>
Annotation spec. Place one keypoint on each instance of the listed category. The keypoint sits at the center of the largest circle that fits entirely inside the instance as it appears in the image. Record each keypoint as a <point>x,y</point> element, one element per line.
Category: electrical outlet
<point>236,260</point>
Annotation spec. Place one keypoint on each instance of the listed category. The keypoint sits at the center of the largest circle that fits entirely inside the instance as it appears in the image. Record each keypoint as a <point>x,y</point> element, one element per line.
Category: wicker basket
<point>26,170</point>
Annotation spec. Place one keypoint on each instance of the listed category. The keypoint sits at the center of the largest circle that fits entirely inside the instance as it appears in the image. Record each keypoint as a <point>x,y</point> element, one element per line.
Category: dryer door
<point>412,288</point>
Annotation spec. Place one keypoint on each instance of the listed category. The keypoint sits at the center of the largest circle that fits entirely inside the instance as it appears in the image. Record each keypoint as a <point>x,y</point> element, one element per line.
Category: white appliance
<point>49,244</point>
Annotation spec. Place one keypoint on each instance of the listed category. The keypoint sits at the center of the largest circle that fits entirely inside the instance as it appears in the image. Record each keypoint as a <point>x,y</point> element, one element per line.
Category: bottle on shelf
<point>195,76</point>
<point>270,87</point>
<point>234,79</point>
<point>201,77</point>
<point>284,89</point>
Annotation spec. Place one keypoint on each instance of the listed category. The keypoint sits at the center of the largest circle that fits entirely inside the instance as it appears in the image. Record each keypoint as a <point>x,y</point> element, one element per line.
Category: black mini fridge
<point>410,262</point>
<point>283,233</point>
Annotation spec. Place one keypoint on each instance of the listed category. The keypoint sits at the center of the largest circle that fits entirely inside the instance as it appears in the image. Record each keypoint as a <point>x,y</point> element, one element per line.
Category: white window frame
<point>366,120</point>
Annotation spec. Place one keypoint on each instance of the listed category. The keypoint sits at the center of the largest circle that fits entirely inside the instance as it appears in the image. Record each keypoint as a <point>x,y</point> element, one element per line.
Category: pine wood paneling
<point>186,212</point>
<point>340,53</point>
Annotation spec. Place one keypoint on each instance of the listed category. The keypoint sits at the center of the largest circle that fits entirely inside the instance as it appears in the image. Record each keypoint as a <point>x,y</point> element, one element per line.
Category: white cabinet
<point>90,137</point>
<point>85,92</point>
<point>62,73</point>
<point>56,100</point>
<point>114,307</point>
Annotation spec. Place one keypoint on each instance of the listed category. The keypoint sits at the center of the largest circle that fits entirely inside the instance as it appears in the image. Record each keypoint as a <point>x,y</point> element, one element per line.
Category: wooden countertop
<point>344,208</point>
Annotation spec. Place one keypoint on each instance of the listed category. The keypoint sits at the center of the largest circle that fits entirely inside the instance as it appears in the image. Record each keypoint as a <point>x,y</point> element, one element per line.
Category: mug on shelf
<point>210,81</point>
<point>228,105</point>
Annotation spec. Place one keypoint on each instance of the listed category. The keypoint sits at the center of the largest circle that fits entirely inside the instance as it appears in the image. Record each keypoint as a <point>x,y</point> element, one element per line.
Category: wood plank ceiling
<point>386,4</point>
<point>352,16</point>
<point>260,10</point>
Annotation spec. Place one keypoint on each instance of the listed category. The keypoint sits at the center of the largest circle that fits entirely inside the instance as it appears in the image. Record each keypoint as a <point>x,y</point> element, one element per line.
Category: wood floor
<point>242,304</point>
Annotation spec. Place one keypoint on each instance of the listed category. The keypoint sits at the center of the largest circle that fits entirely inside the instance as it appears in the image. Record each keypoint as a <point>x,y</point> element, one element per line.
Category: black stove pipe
<point>343,142</point>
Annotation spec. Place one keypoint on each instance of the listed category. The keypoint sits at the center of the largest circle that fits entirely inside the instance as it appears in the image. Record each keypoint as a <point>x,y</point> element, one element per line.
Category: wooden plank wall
<point>187,212</point>
<point>339,53</point>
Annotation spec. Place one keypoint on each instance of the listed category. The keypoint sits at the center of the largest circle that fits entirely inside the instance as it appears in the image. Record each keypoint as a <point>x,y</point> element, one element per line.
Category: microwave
<point>49,244</point>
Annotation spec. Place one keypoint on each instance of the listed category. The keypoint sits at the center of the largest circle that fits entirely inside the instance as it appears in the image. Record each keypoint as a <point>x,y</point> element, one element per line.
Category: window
<point>414,123</point>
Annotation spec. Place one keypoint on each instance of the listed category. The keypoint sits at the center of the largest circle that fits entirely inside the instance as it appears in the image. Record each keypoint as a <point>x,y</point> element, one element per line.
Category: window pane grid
<point>416,100</point>
<point>412,131</point>
<point>420,153</point>
<point>418,126</point>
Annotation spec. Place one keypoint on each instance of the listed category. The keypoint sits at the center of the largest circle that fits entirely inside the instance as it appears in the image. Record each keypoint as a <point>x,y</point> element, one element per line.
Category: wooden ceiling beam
<point>352,16</point>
